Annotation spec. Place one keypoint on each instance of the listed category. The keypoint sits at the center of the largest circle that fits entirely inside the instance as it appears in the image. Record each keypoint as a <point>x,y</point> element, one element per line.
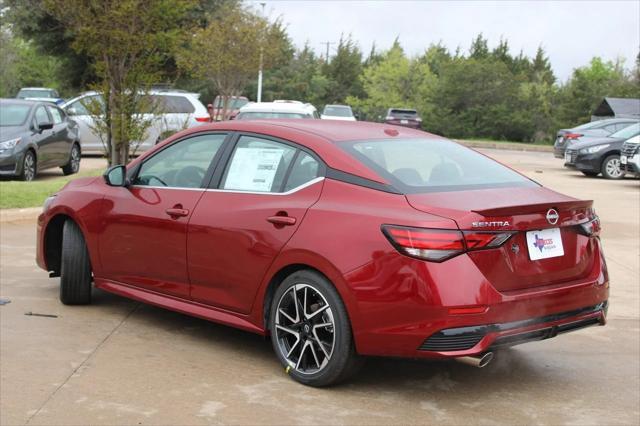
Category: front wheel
<point>29,166</point>
<point>611,168</point>
<point>310,330</point>
<point>75,268</point>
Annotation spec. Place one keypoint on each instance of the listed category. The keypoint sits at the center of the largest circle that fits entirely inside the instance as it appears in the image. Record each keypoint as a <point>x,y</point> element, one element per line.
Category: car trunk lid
<point>519,210</point>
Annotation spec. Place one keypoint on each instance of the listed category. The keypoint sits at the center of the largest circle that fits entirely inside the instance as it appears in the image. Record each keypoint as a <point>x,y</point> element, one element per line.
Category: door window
<point>305,169</point>
<point>181,165</point>
<point>56,115</point>
<point>42,116</point>
<point>258,165</point>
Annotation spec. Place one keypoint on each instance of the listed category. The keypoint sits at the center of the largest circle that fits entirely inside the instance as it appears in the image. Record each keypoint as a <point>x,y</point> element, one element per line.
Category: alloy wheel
<point>304,327</point>
<point>29,166</point>
<point>613,168</point>
<point>75,159</point>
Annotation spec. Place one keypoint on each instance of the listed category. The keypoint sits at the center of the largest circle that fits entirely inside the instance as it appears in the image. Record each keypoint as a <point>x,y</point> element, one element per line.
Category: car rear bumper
<point>416,306</point>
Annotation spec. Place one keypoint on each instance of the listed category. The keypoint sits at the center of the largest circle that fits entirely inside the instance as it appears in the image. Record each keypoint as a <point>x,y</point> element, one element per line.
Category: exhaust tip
<point>478,361</point>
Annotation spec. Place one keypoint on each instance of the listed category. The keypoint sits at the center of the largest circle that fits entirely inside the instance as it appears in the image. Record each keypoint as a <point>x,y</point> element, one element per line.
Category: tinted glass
<point>305,169</point>
<point>258,165</point>
<point>13,114</point>
<point>627,132</point>
<point>56,115</point>
<point>403,113</point>
<point>430,165</point>
<point>338,111</point>
<point>268,115</point>
<point>36,94</point>
<point>42,116</point>
<point>175,105</point>
<point>85,105</point>
<point>181,165</point>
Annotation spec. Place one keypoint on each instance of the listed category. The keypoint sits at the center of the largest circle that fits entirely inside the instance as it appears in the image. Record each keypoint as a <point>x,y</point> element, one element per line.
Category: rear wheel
<point>310,330</point>
<point>611,167</point>
<point>591,174</point>
<point>75,270</point>
<point>73,166</point>
<point>29,166</point>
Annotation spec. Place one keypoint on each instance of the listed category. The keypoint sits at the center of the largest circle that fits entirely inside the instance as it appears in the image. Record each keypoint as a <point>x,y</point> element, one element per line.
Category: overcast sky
<point>571,32</point>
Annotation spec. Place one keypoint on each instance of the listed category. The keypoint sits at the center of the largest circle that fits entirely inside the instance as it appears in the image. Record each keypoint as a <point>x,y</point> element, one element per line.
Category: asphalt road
<point>118,362</point>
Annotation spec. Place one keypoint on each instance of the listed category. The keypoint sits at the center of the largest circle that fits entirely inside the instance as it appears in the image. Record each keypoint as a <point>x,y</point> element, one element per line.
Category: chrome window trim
<point>235,191</point>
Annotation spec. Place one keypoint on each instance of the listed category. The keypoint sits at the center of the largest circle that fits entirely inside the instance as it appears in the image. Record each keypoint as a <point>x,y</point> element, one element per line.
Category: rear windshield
<point>404,113</point>
<point>433,165</point>
<point>338,111</point>
<point>627,132</point>
<point>13,114</point>
<point>258,115</point>
<point>36,94</point>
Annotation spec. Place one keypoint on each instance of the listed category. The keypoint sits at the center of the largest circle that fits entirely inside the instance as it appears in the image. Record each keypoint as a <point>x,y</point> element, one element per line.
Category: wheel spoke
<point>304,346</point>
<point>319,342</point>
<point>288,330</point>
<point>293,321</point>
<point>293,347</point>
<point>319,310</point>
<point>315,356</point>
<point>295,302</point>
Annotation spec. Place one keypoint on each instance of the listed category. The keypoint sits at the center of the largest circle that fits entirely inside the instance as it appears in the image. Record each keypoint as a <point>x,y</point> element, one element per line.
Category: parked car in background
<point>43,94</point>
<point>403,117</point>
<point>169,111</point>
<point>601,155</point>
<point>35,136</point>
<point>599,128</point>
<point>233,107</point>
<point>337,112</point>
<point>277,109</point>
<point>630,156</point>
<point>337,240</point>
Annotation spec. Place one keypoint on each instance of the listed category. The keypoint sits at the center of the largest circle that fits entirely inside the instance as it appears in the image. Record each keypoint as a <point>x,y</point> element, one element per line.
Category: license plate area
<point>544,243</point>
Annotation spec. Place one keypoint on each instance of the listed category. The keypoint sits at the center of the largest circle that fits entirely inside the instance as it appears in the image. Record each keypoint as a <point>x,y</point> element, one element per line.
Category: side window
<point>181,165</point>
<point>178,105</point>
<point>305,168</point>
<point>42,116</point>
<point>56,115</point>
<point>611,128</point>
<point>258,165</point>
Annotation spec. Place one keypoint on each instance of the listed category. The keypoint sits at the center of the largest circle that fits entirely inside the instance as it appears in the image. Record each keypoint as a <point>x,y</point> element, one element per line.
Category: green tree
<point>343,72</point>
<point>227,52</point>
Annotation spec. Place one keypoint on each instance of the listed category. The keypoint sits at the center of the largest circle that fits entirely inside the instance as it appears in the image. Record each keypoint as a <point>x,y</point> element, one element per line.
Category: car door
<point>89,137</point>
<point>144,237</point>
<point>238,228</point>
<point>44,139</point>
<point>60,133</point>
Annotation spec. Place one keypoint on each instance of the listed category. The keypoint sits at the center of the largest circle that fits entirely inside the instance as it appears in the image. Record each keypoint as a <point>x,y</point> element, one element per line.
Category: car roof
<point>22,101</point>
<point>277,107</point>
<point>37,88</point>
<point>337,106</point>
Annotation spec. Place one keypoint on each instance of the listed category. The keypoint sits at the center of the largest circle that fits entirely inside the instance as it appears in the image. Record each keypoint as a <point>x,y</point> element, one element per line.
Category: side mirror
<point>116,176</point>
<point>45,126</point>
<point>71,111</point>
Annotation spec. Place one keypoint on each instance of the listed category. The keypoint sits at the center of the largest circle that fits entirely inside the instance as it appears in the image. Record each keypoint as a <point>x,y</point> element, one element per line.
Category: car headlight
<point>593,149</point>
<point>9,144</point>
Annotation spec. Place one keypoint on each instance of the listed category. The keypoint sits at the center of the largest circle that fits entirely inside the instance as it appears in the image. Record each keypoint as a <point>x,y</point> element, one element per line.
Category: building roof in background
<point>618,107</point>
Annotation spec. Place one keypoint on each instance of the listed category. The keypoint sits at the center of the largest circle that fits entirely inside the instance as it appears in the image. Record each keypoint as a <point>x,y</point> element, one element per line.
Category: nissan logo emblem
<point>552,216</point>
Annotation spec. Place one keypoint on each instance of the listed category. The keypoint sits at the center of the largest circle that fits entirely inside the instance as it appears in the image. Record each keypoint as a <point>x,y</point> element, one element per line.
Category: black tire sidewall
<point>343,350</point>
<point>75,267</point>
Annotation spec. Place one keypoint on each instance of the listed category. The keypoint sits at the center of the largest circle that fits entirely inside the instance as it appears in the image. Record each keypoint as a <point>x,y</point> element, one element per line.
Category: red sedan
<point>337,239</point>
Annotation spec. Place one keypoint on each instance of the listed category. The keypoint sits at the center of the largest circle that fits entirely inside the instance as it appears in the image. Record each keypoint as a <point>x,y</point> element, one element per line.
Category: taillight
<point>573,135</point>
<point>437,245</point>
<point>203,119</point>
<point>591,228</point>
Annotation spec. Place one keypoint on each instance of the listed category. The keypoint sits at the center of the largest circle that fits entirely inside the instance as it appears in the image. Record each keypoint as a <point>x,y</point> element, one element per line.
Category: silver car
<point>597,129</point>
<point>177,111</point>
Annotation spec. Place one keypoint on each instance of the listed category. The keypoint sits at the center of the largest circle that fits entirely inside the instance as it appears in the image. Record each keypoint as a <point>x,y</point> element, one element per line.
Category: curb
<point>509,146</point>
<point>20,215</point>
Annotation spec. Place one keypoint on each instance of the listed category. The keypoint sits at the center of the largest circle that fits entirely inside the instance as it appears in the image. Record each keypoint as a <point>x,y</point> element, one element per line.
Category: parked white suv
<point>277,109</point>
<point>176,110</point>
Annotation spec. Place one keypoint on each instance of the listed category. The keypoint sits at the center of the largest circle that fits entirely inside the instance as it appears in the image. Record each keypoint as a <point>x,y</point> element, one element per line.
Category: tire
<point>73,166</point>
<point>611,167</point>
<point>298,348</point>
<point>75,270</point>
<point>591,174</point>
<point>29,166</point>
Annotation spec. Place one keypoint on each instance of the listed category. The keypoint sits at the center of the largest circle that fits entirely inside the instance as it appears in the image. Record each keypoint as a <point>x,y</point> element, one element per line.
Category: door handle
<point>282,220</point>
<point>177,212</point>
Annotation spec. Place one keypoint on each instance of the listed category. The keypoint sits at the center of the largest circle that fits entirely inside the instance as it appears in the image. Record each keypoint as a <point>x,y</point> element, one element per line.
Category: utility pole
<point>328,44</point>
<point>259,98</point>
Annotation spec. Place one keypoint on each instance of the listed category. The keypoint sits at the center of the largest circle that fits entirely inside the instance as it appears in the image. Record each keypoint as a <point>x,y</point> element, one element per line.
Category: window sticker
<point>253,169</point>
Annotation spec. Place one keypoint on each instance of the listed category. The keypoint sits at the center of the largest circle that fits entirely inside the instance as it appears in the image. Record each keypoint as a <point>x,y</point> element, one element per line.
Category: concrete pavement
<point>118,362</point>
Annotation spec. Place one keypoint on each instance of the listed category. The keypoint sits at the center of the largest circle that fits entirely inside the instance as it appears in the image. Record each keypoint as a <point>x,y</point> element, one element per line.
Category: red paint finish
<point>213,254</point>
